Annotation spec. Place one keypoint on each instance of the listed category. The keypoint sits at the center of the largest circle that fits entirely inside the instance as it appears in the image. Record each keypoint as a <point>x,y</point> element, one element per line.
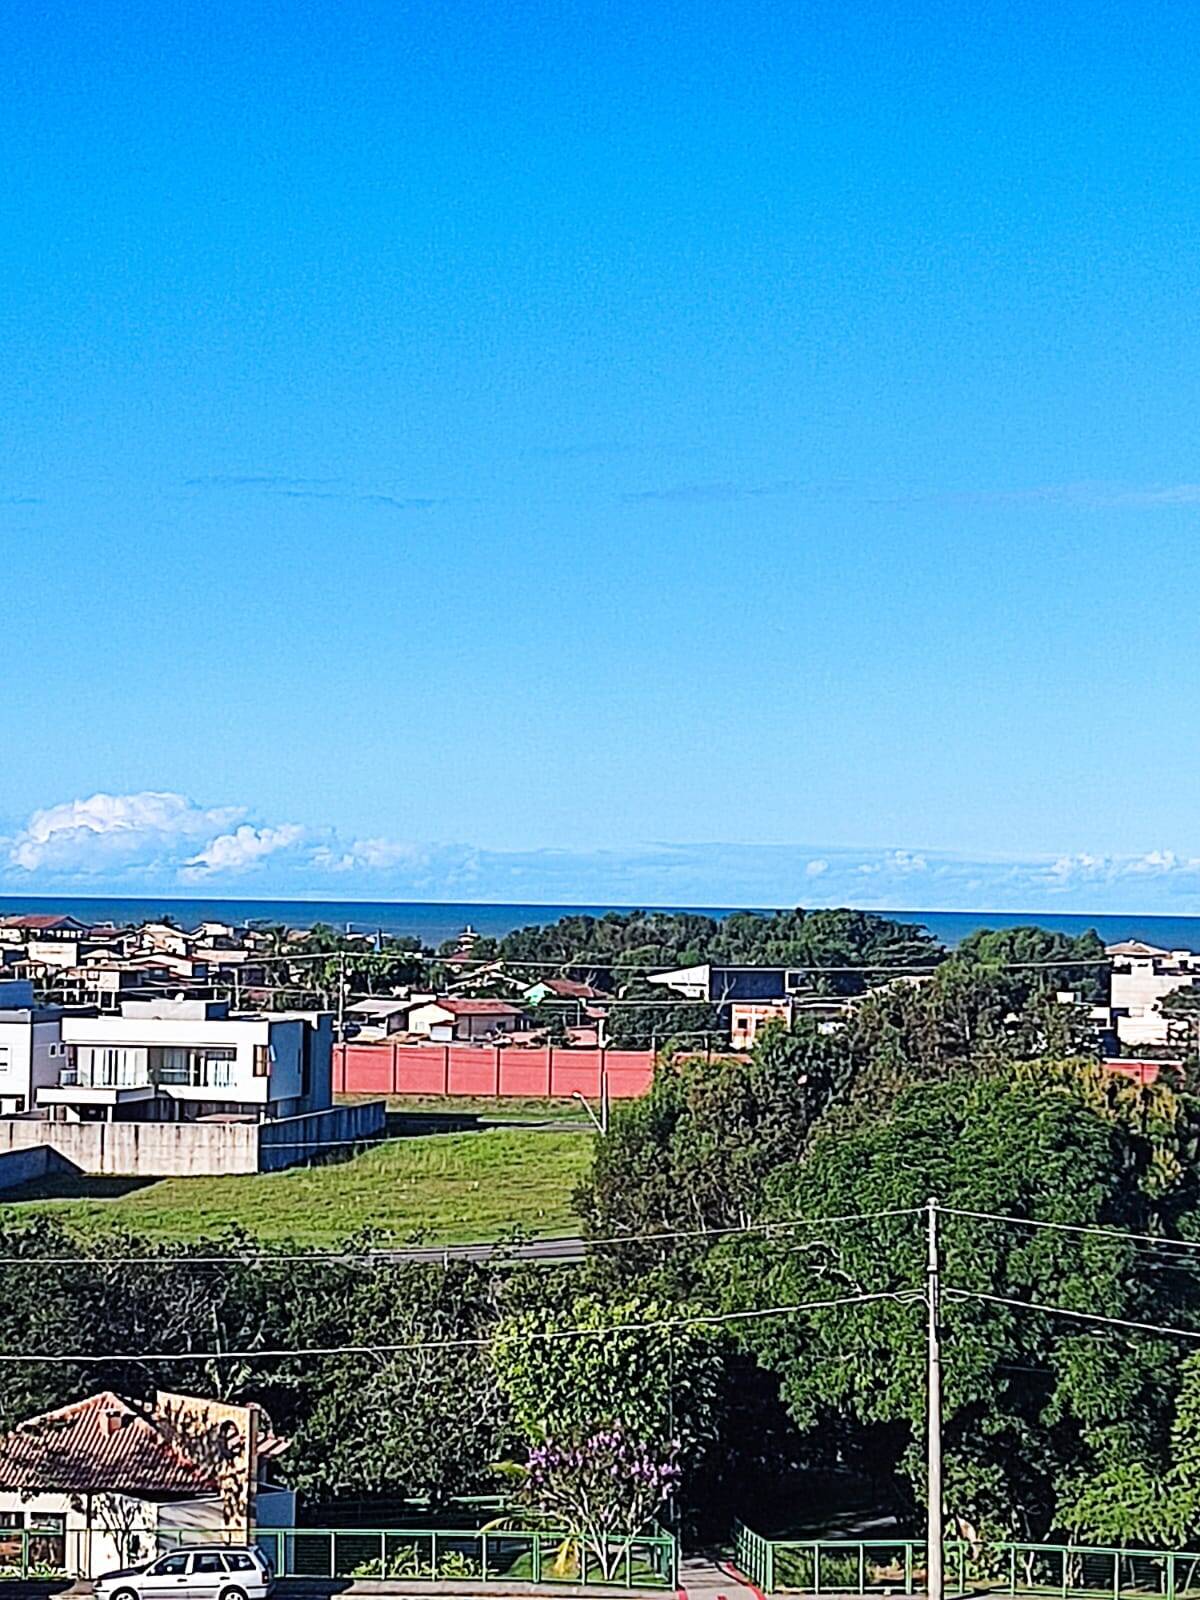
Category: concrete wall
<point>26,1165</point>
<point>188,1149</point>
<point>291,1139</point>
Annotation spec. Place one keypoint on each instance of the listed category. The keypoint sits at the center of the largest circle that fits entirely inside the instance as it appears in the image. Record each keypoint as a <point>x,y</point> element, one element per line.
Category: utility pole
<point>602,1045</point>
<point>600,1123</point>
<point>934,1534</point>
<point>341,1000</point>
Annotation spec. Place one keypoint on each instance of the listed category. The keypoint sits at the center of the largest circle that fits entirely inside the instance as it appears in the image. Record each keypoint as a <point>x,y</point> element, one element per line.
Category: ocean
<point>434,922</point>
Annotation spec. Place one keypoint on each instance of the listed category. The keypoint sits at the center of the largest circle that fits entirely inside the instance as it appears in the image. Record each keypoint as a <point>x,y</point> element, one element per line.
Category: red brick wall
<point>467,1069</point>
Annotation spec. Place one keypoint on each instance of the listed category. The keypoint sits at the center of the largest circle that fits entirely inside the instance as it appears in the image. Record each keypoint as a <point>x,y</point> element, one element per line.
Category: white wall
<point>103,1532</point>
<point>30,1058</point>
<point>283,1036</point>
<point>1138,991</point>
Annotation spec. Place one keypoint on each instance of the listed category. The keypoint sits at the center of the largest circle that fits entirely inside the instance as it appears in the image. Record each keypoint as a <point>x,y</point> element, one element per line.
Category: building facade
<point>1142,977</point>
<point>31,1049</point>
<point>178,1060</point>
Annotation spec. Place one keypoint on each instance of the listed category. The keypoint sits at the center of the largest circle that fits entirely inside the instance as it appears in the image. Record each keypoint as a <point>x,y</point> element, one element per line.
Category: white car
<point>201,1572</point>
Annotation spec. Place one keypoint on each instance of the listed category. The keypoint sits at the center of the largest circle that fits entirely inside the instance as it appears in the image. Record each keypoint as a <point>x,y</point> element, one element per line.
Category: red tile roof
<point>478,1008</point>
<point>572,989</point>
<point>35,921</point>
<point>108,1445</point>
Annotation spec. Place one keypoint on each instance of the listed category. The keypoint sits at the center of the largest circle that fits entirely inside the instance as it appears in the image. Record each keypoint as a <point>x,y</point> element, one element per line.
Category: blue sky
<point>537,447</point>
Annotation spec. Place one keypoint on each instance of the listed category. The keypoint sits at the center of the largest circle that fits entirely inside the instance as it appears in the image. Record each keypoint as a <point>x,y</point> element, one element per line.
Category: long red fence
<point>503,1070</point>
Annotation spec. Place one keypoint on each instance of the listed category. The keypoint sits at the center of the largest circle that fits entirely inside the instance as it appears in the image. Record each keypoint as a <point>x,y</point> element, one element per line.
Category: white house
<point>1142,976</point>
<point>106,1482</point>
<point>462,1021</point>
<point>177,1060</point>
<point>47,940</point>
<point>31,1049</point>
<point>379,1015</point>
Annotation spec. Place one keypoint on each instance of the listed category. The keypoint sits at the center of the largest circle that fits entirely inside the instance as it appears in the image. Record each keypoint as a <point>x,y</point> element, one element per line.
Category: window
<point>112,1066</point>
<point>171,1566</point>
<point>237,1562</point>
<point>3,1058</point>
<point>193,1067</point>
<point>208,1561</point>
<point>262,1061</point>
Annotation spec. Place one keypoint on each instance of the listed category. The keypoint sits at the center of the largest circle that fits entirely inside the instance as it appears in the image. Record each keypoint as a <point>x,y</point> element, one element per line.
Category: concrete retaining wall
<point>291,1139</point>
<point>26,1166</point>
<point>185,1149</point>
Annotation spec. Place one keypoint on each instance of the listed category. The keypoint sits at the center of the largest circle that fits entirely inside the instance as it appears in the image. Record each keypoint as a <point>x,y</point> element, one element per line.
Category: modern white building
<point>1142,976</point>
<point>31,1049</point>
<point>179,1060</point>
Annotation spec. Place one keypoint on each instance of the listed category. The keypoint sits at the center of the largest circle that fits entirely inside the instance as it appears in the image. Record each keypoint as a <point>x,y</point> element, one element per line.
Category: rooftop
<point>172,1445</point>
<point>39,921</point>
<point>477,1008</point>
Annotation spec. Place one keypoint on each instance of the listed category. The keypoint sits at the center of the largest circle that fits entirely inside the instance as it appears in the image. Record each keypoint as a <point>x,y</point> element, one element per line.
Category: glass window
<point>236,1561</point>
<point>173,1566</point>
<point>208,1561</point>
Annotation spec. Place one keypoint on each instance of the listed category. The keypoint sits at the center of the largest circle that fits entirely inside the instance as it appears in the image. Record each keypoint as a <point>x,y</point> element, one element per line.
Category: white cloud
<point>162,842</point>
<point>244,848</point>
<point>110,831</point>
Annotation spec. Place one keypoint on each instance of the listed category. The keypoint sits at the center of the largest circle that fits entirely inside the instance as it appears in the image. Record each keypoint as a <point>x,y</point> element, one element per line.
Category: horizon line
<point>606,906</point>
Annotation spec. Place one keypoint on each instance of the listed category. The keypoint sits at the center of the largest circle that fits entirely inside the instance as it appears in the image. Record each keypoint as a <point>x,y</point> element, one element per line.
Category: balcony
<point>150,1068</point>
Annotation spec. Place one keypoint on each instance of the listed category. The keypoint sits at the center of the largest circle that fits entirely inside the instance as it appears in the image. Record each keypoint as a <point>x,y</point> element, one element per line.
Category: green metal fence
<point>32,1553</point>
<point>897,1567</point>
<point>418,1555</point>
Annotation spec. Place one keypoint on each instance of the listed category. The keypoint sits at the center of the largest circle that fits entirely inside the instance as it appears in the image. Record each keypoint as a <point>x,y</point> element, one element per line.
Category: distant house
<point>1142,976</point>
<point>746,1017</point>
<point>380,1015</point>
<point>47,940</point>
<point>723,985</point>
<point>107,1481</point>
<point>450,1021</point>
<point>553,989</point>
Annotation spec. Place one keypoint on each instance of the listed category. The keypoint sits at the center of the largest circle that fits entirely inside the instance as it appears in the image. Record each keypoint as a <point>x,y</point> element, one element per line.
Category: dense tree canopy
<point>1032,1402</point>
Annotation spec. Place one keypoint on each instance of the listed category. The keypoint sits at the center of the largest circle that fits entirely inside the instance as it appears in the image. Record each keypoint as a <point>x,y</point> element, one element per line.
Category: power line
<point>1078,1316</point>
<point>1095,1229</point>
<point>372,1257</point>
<point>530,1336</point>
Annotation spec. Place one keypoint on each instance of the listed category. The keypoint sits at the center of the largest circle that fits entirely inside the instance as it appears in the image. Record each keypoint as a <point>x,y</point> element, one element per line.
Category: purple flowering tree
<point>604,1488</point>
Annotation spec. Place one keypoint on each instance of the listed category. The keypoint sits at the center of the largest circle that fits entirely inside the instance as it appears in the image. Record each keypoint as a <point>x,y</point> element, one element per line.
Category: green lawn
<point>444,1189</point>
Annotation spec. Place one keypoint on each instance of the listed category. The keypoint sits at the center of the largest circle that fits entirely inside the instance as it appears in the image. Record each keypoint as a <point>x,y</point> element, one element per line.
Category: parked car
<point>201,1572</point>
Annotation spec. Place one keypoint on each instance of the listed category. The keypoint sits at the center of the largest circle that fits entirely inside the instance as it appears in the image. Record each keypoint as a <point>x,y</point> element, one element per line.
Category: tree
<point>696,1151</point>
<point>657,1384</point>
<point>605,1488</point>
<point>1037,959</point>
<point>641,1020</point>
<point>1031,1402</point>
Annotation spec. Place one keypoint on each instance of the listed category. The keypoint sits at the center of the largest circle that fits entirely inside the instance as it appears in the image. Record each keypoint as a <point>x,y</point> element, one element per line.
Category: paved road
<point>528,1250</point>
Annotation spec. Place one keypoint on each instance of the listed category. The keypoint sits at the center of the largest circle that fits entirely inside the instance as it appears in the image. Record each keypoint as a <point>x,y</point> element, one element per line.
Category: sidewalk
<point>707,1578</point>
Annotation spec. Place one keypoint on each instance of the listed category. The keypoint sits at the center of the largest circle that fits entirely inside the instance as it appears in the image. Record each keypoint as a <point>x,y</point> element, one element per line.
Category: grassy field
<point>444,1189</point>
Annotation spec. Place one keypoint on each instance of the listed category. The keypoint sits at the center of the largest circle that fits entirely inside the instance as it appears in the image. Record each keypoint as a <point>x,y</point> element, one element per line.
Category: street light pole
<point>934,1546</point>
<point>600,1123</point>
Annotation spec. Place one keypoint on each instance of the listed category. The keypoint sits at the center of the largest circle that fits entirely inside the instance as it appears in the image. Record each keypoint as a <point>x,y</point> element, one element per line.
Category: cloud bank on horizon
<point>158,842</point>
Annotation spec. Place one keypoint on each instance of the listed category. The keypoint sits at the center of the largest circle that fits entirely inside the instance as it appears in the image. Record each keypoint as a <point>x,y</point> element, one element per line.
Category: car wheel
<point>233,1594</point>
<point>125,1594</point>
